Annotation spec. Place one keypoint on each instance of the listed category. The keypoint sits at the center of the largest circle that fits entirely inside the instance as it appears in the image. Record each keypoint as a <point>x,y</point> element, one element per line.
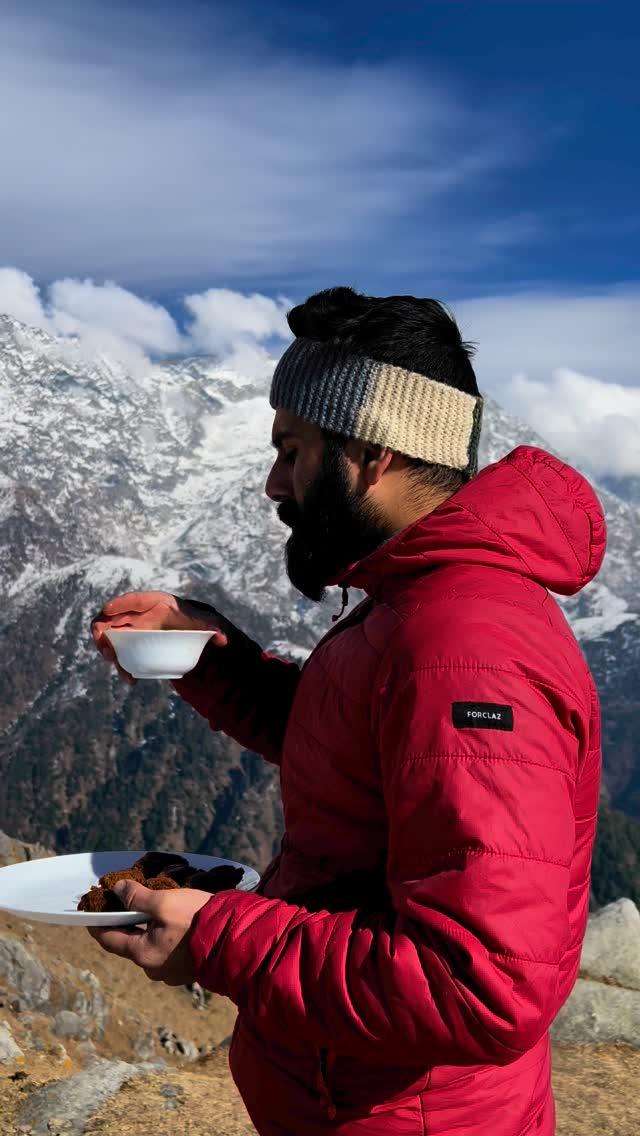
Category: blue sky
<point>464,147</point>
<point>567,73</point>
<point>483,152</point>
<point>564,77</point>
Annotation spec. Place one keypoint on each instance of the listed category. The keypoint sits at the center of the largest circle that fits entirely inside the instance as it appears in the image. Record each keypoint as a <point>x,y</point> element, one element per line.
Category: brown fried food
<point>224,877</point>
<point>100,899</point>
<point>159,871</point>
<point>181,873</point>
<point>161,883</point>
<point>111,878</point>
<point>152,864</point>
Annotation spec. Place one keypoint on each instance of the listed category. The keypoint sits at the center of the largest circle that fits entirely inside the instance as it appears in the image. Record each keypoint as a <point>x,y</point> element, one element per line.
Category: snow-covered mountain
<point>110,482</point>
<point>628,488</point>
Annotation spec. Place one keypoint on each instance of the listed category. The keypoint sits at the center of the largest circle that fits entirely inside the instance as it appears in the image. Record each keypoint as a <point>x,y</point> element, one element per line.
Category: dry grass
<point>596,1086</point>
<point>137,1007</point>
<point>597,1090</point>
<point>180,1104</point>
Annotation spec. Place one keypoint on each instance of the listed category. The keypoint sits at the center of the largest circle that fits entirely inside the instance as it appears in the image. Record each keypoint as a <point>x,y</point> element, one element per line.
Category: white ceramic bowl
<point>158,654</point>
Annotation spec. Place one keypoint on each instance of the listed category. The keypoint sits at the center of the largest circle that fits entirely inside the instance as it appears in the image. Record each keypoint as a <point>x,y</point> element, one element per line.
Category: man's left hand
<point>161,946</point>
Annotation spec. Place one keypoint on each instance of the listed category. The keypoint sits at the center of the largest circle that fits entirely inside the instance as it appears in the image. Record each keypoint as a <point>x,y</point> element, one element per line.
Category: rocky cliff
<point>110,482</point>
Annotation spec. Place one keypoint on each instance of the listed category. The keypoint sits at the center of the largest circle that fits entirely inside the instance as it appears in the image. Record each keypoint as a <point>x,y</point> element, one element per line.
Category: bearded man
<point>401,963</point>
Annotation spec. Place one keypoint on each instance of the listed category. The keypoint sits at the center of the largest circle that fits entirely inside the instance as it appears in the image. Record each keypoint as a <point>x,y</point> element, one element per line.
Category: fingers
<point>218,639</point>
<point>130,942</point>
<point>125,676</point>
<point>151,611</point>
<point>115,611</point>
<point>98,628</point>
<point>133,601</point>
<point>125,942</point>
<point>135,945</point>
<point>137,897</point>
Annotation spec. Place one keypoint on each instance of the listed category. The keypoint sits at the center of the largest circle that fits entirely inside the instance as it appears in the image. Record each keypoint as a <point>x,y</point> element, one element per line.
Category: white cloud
<point>568,365</point>
<point>223,318</point>
<point>155,152</point>
<point>19,297</point>
<point>111,308</point>
<point>238,329</point>
<point>596,423</point>
<point>535,332</point>
<point>565,364</point>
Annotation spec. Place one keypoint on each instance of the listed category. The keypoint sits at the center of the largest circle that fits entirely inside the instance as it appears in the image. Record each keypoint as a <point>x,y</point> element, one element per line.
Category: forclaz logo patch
<point>482,716</point>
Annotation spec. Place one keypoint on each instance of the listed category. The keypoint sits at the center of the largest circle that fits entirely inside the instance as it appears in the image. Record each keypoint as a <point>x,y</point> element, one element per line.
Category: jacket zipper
<point>326,1061</point>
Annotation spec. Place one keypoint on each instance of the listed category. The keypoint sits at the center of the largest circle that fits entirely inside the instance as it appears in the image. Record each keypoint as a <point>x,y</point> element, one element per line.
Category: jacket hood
<point>528,513</point>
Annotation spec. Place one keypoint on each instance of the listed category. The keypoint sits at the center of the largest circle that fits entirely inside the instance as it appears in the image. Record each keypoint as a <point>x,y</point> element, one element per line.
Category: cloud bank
<point>169,152</point>
<point>238,329</point>
<point>567,365</point>
<point>594,422</point>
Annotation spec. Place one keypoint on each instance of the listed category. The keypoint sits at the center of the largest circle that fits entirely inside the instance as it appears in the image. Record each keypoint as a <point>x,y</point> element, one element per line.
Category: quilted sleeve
<point>464,966</point>
<point>243,691</point>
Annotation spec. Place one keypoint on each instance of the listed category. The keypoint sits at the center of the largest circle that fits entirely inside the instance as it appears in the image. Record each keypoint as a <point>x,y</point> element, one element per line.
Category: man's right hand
<point>153,611</point>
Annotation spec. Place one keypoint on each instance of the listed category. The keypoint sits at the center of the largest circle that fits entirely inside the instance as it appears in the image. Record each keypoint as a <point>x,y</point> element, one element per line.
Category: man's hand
<point>160,947</point>
<point>153,611</point>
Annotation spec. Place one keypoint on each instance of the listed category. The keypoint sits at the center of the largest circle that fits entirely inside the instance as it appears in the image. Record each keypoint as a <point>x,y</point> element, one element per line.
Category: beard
<point>333,527</point>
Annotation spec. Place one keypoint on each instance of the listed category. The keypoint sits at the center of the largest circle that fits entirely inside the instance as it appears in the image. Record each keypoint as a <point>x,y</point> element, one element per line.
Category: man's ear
<point>376,461</point>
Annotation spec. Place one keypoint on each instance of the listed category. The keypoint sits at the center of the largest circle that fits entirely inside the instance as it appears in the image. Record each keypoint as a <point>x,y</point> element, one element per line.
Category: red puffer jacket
<point>440,768</point>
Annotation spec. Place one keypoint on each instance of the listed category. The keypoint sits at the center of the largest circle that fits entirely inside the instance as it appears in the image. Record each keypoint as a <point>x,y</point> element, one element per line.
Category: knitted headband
<point>379,403</point>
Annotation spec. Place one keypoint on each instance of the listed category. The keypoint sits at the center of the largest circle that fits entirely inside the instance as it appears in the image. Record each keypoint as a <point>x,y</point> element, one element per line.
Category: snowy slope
<point>110,482</point>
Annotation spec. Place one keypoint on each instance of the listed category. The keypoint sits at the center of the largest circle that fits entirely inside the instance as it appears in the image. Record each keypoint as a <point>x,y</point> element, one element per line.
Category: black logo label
<point>482,716</point>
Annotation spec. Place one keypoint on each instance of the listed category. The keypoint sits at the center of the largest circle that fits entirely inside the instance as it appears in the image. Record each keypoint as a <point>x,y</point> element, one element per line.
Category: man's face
<point>322,498</point>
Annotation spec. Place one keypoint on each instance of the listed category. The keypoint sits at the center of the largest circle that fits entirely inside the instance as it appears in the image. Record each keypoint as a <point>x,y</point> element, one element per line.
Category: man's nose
<point>277,487</point>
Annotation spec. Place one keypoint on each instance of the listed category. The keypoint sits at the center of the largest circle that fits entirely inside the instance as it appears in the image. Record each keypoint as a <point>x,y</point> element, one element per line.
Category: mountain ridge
<point>110,482</point>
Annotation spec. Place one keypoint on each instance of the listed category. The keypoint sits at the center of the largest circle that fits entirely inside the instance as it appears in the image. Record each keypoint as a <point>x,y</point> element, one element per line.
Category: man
<point>439,753</point>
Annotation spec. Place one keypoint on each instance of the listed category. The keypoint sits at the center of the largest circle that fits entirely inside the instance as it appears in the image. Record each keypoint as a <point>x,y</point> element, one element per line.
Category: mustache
<point>288,513</point>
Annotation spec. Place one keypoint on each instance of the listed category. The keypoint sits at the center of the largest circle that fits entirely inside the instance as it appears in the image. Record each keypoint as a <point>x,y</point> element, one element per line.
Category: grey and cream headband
<point>379,403</point>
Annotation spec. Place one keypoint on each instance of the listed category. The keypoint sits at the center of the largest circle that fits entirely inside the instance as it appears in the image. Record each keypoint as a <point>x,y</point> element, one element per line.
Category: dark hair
<point>418,334</point>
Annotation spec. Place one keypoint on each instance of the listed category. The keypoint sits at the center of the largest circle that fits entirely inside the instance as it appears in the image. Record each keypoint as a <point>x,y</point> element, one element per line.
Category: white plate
<point>48,890</point>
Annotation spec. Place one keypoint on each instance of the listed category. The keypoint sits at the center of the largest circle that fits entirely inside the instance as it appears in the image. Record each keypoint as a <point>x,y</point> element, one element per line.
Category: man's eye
<point>289,457</point>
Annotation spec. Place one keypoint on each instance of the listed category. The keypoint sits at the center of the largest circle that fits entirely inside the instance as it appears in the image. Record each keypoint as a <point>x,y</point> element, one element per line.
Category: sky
<point>173,177</point>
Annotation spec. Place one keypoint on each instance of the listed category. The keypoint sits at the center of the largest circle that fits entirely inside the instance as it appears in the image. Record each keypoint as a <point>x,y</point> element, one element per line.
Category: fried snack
<point>153,864</point>
<point>181,873</point>
<point>223,878</point>
<point>161,883</point>
<point>159,871</point>
<point>100,899</point>
<point>112,878</point>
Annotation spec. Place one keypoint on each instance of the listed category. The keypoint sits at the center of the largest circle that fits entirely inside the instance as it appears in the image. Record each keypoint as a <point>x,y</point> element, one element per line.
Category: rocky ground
<point>58,987</point>
<point>48,1101</point>
<point>89,1047</point>
<point>596,1090</point>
